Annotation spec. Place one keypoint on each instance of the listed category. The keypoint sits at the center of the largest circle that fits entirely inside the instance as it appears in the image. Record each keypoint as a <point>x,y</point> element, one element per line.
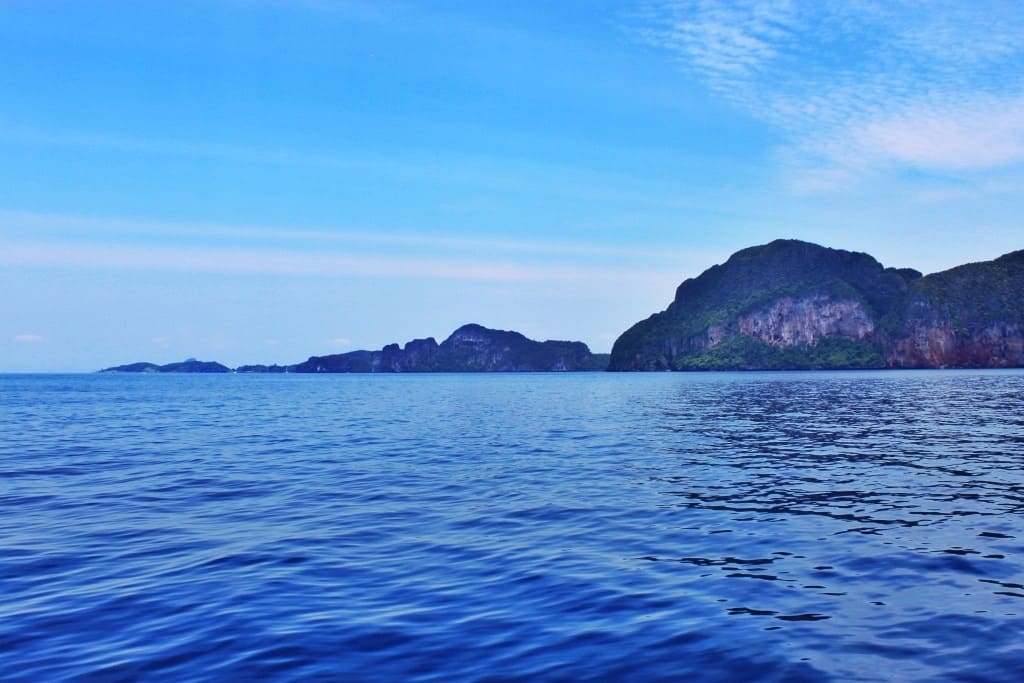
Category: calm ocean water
<point>743,527</point>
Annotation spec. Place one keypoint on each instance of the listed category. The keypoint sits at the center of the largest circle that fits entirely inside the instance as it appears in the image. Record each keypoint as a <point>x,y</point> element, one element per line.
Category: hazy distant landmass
<point>190,365</point>
<point>471,348</point>
<point>796,305</point>
<point>265,368</point>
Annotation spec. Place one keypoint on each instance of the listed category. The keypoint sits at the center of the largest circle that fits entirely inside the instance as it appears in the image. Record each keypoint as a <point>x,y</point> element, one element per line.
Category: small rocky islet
<point>785,305</point>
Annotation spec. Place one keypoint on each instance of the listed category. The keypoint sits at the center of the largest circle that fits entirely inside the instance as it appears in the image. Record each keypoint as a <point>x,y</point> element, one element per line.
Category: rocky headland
<point>796,305</point>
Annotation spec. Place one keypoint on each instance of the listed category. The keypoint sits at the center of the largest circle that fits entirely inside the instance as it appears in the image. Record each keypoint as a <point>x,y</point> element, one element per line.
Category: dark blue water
<point>775,527</point>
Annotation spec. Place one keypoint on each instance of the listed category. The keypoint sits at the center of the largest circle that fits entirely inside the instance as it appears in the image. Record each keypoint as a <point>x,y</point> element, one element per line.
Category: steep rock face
<point>418,353</point>
<point>791,304</point>
<point>792,322</point>
<point>470,348</point>
<point>968,316</point>
<point>1000,345</point>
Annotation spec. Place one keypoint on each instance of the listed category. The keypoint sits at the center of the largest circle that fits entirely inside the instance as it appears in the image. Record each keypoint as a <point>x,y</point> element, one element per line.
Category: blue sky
<point>262,181</point>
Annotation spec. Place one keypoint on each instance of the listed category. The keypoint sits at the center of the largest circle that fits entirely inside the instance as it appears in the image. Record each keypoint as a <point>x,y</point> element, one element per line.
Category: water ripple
<point>767,527</point>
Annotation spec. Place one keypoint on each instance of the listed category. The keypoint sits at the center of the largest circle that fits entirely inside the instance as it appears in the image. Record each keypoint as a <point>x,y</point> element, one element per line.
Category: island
<point>470,348</point>
<point>189,365</point>
<point>785,305</point>
<point>791,304</point>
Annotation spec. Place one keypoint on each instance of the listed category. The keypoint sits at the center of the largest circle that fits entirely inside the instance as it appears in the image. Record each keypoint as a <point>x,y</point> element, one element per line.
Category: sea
<point>804,526</point>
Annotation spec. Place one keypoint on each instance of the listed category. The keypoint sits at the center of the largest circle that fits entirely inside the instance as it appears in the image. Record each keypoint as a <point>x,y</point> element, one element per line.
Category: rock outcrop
<point>968,316</point>
<point>789,322</point>
<point>792,304</point>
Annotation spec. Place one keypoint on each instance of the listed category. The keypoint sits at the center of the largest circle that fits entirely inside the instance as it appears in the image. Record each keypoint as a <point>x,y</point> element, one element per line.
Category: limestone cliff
<point>789,322</point>
<point>792,304</point>
<point>969,316</point>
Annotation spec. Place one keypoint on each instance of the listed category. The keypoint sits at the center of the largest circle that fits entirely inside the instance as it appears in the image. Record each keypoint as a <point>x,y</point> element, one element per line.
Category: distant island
<point>796,305</point>
<point>470,348</point>
<point>190,365</point>
<point>786,305</point>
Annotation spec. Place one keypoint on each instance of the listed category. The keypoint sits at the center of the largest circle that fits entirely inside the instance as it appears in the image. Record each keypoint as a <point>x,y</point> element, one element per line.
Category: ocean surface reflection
<point>782,526</point>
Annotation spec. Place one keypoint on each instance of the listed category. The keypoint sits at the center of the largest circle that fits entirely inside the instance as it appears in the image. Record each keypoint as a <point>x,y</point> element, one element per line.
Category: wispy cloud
<point>727,43</point>
<point>860,87</point>
<point>32,224</point>
<point>558,269</point>
<point>28,338</point>
<point>282,262</point>
<point>984,133</point>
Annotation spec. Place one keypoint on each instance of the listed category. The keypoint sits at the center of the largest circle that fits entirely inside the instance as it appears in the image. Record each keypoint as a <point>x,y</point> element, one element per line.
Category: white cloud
<point>28,338</point>
<point>986,133</point>
<point>341,341</point>
<point>67,241</point>
<point>859,88</point>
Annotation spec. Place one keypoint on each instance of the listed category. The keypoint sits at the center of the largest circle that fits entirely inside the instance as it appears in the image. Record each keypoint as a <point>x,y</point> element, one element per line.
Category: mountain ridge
<point>787,304</point>
<point>470,348</point>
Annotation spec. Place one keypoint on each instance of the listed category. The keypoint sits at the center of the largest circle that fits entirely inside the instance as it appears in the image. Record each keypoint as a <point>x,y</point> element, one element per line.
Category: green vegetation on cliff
<point>792,304</point>
<point>698,329</point>
<point>974,295</point>
<point>746,353</point>
<point>783,268</point>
